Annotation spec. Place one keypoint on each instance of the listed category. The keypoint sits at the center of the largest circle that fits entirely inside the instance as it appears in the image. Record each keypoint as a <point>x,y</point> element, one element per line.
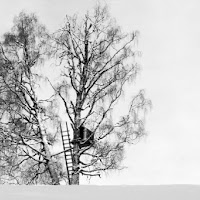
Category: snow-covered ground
<point>171,192</point>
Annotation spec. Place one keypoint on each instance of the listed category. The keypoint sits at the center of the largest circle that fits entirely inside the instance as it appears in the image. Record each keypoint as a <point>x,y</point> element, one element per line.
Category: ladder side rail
<point>70,150</point>
<point>68,174</point>
<point>69,140</point>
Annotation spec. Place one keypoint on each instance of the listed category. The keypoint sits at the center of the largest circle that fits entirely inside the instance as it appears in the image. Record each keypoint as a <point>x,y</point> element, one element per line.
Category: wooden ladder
<point>68,152</point>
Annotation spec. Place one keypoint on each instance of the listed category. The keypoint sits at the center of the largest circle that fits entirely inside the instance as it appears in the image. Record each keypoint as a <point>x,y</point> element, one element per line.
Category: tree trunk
<point>52,171</point>
<point>50,165</point>
<point>76,156</point>
<point>75,175</point>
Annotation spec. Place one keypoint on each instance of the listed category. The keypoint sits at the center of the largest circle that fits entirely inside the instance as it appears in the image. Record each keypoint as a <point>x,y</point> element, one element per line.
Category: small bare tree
<point>25,136</point>
<point>98,60</point>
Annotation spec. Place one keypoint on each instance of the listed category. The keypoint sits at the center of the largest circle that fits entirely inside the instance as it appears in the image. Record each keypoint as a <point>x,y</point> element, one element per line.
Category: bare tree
<point>25,132</point>
<point>97,61</point>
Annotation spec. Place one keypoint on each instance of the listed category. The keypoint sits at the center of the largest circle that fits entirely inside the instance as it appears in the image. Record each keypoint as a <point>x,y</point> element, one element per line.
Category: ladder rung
<point>67,147</point>
<point>66,139</point>
<point>68,154</point>
<point>69,165</point>
<point>70,161</point>
<point>67,151</point>
<point>68,158</point>
<point>64,135</point>
<point>65,143</point>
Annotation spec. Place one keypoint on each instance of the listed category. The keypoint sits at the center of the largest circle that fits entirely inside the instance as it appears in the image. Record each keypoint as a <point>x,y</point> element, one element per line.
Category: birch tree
<point>98,60</point>
<point>26,156</point>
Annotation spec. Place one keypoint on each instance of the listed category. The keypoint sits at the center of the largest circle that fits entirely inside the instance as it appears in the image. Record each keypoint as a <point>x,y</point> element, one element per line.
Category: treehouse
<point>86,137</point>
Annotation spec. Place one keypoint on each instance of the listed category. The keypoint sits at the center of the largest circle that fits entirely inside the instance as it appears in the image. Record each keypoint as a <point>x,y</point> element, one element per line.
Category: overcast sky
<point>170,44</point>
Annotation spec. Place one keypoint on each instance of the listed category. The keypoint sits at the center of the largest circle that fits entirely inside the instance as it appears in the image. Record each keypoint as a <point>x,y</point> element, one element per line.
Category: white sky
<point>170,43</point>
